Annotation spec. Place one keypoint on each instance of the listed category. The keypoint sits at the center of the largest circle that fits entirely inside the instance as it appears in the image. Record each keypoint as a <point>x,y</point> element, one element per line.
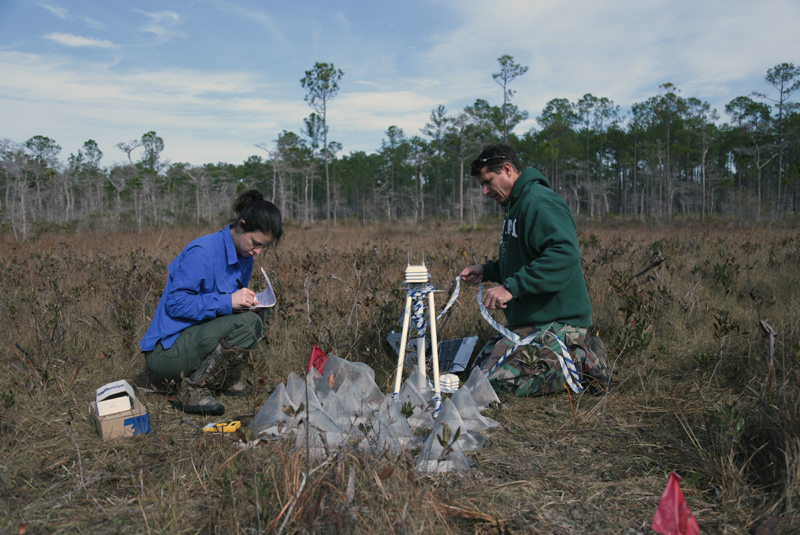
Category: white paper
<point>113,389</point>
<point>266,298</point>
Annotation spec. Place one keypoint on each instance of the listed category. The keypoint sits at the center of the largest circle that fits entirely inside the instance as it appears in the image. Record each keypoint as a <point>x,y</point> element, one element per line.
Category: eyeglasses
<point>478,163</point>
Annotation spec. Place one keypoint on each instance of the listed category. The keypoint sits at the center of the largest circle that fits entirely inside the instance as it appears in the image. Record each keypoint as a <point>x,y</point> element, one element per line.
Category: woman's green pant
<point>198,341</point>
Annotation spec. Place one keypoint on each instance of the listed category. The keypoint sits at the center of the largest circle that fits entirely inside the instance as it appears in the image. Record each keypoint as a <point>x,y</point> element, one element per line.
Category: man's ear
<point>240,225</point>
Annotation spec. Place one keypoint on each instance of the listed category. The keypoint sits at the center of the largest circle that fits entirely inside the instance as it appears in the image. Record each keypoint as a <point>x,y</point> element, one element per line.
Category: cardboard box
<point>117,413</point>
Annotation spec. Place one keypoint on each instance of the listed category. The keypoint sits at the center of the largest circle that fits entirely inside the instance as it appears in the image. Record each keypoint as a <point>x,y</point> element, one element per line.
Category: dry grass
<point>695,396</point>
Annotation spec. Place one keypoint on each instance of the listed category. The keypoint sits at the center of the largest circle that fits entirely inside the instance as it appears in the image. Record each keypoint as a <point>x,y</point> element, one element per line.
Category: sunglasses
<point>478,163</point>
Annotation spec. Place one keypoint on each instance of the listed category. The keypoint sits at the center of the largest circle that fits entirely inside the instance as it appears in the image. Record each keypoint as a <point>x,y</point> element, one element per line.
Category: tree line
<point>667,156</point>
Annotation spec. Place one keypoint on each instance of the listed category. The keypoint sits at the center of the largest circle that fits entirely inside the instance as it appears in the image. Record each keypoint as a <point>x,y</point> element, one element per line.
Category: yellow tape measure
<point>224,427</point>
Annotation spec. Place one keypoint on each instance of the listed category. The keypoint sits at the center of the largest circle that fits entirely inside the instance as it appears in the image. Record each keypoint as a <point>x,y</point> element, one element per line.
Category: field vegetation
<point>704,388</point>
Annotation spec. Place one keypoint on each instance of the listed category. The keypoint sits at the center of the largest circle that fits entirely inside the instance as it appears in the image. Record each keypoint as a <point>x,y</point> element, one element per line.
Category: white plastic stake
<point>421,362</point>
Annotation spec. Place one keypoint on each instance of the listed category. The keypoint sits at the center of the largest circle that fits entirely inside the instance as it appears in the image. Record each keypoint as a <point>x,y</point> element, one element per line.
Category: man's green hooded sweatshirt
<point>540,259</point>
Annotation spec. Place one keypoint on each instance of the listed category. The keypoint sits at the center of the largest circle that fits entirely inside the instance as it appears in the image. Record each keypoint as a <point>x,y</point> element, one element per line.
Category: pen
<point>239,282</point>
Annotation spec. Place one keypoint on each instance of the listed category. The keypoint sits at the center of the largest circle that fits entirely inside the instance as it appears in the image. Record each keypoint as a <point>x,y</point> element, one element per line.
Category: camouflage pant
<point>531,370</point>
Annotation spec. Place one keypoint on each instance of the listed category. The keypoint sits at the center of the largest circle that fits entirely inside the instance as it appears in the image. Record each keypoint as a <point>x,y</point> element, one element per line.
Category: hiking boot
<point>237,389</point>
<point>234,385</point>
<point>221,368</point>
<point>197,400</point>
<point>597,372</point>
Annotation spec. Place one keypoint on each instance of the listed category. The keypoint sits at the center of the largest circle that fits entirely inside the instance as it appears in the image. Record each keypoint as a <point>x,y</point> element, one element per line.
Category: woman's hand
<point>244,298</point>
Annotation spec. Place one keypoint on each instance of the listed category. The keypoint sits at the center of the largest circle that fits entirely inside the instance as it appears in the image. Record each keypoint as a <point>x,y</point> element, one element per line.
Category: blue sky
<point>216,77</point>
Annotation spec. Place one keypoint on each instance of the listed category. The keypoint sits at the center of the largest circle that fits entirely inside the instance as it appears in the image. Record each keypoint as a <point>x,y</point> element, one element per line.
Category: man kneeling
<point>542,289</point>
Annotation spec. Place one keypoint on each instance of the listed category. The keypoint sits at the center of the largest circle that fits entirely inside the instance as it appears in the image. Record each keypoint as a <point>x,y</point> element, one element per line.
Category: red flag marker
<point>317,360</point>
<point>673,516</point>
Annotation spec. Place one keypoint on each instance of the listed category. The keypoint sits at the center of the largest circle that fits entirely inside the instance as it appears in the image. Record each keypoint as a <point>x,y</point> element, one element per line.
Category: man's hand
<point>472,274</point>
<point>243,298</point>
<point>496,298</point>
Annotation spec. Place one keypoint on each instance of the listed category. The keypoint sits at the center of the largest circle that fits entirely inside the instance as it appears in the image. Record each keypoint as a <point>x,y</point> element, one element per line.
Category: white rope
<point>418,305</point>
<point>417,296</point>
<point>418,316</point>
<point>564,358</point>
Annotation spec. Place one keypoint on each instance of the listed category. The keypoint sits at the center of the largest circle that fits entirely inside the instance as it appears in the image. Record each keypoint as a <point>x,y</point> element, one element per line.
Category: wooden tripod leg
<point>435,347</point>
<point>401,356</point>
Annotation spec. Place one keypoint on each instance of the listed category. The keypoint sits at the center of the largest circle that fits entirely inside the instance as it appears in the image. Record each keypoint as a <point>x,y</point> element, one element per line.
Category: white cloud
<point>98,85</point>
<point>92,23</point>
<point>67,39</point>
<point>62,13</point>
<point>622,50</point>
<point>162,24</point>
<point>59,12</point>
<point>158,17</point>
<point>340,17</point>
<point>202,116</point>
<point>161,31</point>
<point>253,15</point>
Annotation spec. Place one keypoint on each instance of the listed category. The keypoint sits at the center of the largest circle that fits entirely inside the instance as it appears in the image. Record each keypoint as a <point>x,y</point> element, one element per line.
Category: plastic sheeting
<point>436,457</point>
<point>482,392</point>
<point>380,437</point>
<point>468,410</point>
<point>422,416</point>
<point>276,416</point>
<point>344,407</point>
<point>421,382</point>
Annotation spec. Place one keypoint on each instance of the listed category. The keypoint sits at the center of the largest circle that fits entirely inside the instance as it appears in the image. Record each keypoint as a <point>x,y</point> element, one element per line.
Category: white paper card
<point>266,297</point>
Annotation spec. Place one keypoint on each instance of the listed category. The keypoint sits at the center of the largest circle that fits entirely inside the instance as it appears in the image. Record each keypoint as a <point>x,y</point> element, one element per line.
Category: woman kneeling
<point>195,339</point>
